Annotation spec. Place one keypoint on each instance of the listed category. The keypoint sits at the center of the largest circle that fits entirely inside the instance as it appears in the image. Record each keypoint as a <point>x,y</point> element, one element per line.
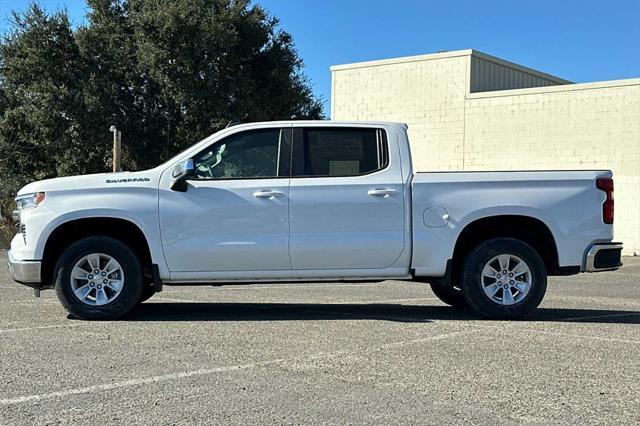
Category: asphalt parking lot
<point>332,353</point>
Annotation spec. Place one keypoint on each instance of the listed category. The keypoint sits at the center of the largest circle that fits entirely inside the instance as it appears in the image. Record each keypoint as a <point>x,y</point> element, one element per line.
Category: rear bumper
<point>603,257</point>
<point>25,271</point>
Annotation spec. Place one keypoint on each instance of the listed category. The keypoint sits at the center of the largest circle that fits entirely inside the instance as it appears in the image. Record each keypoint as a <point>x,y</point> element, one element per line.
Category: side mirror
<point>181,173</point>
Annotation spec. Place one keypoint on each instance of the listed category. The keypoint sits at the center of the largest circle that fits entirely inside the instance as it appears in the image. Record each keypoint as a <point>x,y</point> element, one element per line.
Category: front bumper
<point>603,257</point>
<point>25,271</point>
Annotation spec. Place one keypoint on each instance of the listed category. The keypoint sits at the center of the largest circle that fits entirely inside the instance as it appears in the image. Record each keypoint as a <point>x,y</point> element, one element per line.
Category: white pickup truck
<point>308,201</point>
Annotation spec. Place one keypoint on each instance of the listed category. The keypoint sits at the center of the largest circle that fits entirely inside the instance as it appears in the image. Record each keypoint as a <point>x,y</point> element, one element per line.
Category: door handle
<point>381,192</point>
<point>267,194</point>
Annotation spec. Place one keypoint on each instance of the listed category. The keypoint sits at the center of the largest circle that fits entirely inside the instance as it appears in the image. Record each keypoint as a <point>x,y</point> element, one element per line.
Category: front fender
<point>147,224</point>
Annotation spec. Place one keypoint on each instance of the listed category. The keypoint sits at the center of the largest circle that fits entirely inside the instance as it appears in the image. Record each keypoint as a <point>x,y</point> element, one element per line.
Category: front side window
<point>339,152</point>
<point>251,154</point>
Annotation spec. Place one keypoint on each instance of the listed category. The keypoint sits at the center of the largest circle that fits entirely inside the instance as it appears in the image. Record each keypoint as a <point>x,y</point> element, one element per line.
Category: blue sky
<point>580,40</point>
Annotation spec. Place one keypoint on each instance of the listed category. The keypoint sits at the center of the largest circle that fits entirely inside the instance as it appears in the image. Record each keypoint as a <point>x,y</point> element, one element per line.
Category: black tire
<point>133,278</point>
<point>450,296</point>
<point>472,285</point>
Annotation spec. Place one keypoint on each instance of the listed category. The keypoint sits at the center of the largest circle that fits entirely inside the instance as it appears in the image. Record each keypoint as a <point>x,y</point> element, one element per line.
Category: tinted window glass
<point>339,152</point>
<point>252,154</point>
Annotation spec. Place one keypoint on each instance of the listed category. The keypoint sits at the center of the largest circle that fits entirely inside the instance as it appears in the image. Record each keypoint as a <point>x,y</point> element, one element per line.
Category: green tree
<point>166,72</point>
<point>219,60</point>
<point>42,108</point>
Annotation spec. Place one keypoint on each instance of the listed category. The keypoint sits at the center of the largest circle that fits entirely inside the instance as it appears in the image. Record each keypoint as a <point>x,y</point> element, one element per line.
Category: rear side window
<point>339,151</point>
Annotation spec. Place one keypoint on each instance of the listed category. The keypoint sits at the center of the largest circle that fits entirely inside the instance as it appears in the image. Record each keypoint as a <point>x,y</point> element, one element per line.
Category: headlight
<point>29,201</point>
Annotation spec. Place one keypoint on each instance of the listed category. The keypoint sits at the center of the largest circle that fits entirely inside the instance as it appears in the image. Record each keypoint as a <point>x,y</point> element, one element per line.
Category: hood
<point>100,180</point>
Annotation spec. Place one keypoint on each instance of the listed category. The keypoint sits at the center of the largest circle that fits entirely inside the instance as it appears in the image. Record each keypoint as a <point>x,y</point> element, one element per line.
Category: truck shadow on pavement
<point>189,311</point>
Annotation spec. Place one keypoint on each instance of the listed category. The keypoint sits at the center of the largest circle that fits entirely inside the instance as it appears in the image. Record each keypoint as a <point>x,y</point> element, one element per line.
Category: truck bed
<point>567,202</point>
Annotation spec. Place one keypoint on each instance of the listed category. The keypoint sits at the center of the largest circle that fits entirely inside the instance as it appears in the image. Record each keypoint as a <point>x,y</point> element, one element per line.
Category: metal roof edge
<point>402,60</point>
<point>518,67</point>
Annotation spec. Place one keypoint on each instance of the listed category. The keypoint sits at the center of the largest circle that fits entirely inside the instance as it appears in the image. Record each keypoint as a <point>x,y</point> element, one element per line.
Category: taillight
<point>606,185</point>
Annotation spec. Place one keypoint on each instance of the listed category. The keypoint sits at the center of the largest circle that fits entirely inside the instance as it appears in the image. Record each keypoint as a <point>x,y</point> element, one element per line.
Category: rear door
<point>347,203</point>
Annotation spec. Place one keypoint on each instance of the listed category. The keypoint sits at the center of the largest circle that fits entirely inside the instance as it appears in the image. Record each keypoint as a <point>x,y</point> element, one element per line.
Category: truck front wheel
<point>504,278</point>
<point>98,278</point>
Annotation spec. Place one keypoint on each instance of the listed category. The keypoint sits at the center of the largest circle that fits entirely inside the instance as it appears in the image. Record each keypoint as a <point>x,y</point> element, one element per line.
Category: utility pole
<point>117,148</point>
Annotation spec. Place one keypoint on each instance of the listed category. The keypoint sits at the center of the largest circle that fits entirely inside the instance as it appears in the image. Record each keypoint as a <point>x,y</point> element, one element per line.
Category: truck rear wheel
<point>504,278</point>
<point>98,278</point>
<point>450,296</point>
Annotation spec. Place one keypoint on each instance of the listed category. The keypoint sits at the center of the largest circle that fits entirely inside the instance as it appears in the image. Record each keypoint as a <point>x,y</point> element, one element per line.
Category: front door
<point>347,201</point>
<point>234,214</point>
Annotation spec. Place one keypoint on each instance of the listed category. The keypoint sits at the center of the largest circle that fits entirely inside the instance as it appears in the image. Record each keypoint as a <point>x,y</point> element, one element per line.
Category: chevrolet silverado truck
<point>310,201</point>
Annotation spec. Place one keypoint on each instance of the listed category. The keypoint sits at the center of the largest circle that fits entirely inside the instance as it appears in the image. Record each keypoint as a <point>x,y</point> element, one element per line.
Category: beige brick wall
<point>577,126</point>
<point>581,126</point>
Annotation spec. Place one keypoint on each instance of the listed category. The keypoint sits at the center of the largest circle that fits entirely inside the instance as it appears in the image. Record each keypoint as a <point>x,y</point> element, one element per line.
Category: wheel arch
<point>66,233</point>
<point>528,229</point>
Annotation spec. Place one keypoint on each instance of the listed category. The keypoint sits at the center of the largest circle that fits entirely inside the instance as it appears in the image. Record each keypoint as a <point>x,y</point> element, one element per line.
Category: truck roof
<point>321,123</point>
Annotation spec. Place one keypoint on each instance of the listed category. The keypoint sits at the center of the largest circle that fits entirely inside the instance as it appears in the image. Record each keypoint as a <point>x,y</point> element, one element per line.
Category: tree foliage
<point>165,72</point>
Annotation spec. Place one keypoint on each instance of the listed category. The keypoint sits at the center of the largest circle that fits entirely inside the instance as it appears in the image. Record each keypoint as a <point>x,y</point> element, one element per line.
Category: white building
<point>470,111</point>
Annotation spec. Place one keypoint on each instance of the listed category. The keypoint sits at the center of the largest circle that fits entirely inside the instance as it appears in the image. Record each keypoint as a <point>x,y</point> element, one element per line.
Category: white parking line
<point>42,327</point>
<point>210,371</point>
<point>134,382</point>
